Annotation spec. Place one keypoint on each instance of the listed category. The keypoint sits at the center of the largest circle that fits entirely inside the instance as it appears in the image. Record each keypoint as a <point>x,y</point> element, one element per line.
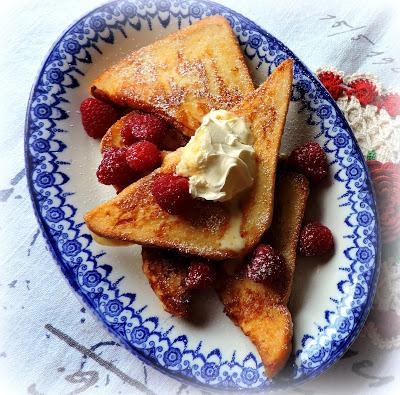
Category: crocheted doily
<point>374,116</point>
<point>376,131</point>
<point>372,112</point>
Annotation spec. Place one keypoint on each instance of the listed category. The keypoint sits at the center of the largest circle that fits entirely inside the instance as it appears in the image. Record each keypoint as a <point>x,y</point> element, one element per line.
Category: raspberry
<point>171,192</point>
<point>139,127</point>
<point>266,264</point>
<point>143,157</point>
<point>310,160</point>
<point>315,240</point>
<point>97,117</point>
<point>200,275</point>
<point>114,168</point>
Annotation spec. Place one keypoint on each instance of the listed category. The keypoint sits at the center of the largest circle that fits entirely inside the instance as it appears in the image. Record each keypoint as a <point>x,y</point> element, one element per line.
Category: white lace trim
<point>364,76</point>
<point>331,69</point>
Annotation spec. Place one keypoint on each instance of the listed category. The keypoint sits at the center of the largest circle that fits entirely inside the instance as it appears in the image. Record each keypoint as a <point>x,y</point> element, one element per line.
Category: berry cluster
<point>122,166</point>
<point>311,161</point>
<point>141,134</point>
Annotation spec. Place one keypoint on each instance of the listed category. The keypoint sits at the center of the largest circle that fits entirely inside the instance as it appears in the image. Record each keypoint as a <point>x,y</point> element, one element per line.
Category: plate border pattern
<point>89,275</point>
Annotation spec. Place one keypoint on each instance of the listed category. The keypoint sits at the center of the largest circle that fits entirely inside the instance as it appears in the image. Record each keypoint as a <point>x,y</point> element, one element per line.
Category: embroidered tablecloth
<point>49,343</point>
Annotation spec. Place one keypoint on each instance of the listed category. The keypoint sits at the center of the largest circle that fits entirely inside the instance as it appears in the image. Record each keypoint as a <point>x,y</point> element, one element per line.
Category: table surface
<point>49,343</point>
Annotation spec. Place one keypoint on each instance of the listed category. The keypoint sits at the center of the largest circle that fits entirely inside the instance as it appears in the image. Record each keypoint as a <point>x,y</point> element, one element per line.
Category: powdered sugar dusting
<point>182,76</point>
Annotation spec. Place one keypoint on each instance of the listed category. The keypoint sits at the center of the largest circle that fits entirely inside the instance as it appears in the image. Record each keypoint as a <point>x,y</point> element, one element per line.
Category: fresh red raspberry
<point>97,117</point>
<point>139,127</point>
<point>266,264</point>
<point>310,160</point>
<point>315,240</point>
<point>200,275</point>
<point>143,157</point>
<point>171,192</point>
<point>114,168</point>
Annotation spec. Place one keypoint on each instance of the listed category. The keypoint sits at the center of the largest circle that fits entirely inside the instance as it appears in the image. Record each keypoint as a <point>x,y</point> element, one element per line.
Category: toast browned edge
<point>125,101</point>
<point>166,272</point>
<point>279,236</point>
<point>256,222</point>
<point>260,309</point>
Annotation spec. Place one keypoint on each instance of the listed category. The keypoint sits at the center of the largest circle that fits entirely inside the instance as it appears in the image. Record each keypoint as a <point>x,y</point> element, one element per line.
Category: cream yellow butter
<point>219,159</point>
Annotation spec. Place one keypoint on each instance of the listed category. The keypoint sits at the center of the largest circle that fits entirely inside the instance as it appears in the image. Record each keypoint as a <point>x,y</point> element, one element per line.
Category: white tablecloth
<point>49,343</point>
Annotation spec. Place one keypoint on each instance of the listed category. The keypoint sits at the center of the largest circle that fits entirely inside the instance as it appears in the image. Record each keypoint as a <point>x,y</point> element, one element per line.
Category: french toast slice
<point>259,309</point>
<point>181,77</point>
<point>209,230</point>
<point>166,272</point>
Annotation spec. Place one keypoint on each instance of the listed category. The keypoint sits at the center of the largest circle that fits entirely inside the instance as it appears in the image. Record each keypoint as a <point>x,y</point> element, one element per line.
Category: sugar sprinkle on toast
<point>182,76</point>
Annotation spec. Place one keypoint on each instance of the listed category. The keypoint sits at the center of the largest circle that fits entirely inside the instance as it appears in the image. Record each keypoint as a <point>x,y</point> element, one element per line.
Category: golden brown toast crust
<point>182,76</point>
<point>260,309</point>
<point>268,325</point>
<point>135,216</point>
<point>266,109</point>
<point>166,272</point>
<point>287,220</point>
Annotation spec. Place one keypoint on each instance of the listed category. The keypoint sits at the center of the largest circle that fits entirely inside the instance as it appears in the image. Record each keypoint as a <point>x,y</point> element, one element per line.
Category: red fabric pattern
<point>386,179</point>
<point>391,103</point>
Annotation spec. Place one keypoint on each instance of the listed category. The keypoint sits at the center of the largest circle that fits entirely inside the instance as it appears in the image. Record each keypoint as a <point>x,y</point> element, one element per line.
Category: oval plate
<point>330,300</point>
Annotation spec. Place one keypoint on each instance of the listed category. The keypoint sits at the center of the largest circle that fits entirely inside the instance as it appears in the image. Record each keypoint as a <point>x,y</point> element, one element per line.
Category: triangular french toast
<point>181,77</point>
<point>259,309</point>
<point>210,228</point>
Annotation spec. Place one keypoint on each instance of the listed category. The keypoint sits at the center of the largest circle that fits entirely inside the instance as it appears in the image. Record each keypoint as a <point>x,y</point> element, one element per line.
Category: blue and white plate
<point>330,300</point>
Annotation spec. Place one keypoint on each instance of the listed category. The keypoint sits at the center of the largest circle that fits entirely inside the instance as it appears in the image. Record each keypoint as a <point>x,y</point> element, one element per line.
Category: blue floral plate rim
<point>56,253</point>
